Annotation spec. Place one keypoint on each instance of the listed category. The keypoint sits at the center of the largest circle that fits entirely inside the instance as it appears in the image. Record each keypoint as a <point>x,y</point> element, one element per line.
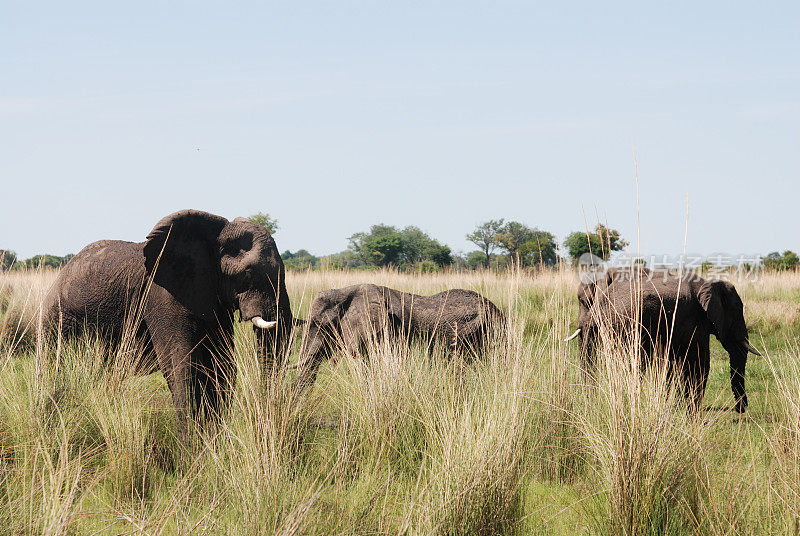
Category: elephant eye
<point>235,247</point>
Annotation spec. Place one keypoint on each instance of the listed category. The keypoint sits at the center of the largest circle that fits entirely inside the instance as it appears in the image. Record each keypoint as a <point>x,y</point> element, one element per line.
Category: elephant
<point>175,294</point>
<point>349,318</point>
<point>674,314</point>
<point>590,281</point>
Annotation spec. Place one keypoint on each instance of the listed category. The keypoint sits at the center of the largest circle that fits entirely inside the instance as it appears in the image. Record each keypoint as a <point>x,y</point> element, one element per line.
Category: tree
<point>600,243</point>
<point>485,237</point>
<point>342,260</point>
<point>474,259</point>
<point>7,259</point>
<point>539,249</point>
<point>439,254</point>
<point>512,236</point>
<point>42,261</point>
<point>301,260</point>
<point>527,245</point>
<point>386,245</point>
<point>266,221</point>
<point>788,261</point>
<point>415,245</point>
<point>380,247</point>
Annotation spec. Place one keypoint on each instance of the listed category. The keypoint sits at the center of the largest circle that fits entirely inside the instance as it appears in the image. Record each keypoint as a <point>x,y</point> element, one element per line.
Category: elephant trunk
<point>586,343</point>
<point>738,361</point>
<point>310,360</point>
<point>272,325</point>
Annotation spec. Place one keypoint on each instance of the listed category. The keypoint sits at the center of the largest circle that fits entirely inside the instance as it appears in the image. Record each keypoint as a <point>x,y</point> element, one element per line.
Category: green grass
<point>399,442</point>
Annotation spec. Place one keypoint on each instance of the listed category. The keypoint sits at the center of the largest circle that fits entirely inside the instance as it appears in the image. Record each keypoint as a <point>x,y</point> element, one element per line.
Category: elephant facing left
<point>176,294</point>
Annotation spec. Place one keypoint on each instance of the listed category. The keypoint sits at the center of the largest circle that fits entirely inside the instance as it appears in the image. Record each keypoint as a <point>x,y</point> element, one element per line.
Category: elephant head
<point>322,330</point>
<point>593,285</point>
<point>725,312</point>
<point>213,267</point>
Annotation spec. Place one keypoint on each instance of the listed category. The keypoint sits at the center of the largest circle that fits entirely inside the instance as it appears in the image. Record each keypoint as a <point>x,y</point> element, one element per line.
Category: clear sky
<point>334,116</point>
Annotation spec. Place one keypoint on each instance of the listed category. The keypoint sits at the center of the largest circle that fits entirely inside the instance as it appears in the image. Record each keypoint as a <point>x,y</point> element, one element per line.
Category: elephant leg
<point>704,363</point>
<point>174,348</point>
<point>672,364</point>
<point>475,338</point>
<point>212,375</point>
<point>466,339</point>
<point>221,365</point>
<point>360,334</point>
<point>201,383</point>
<point>351,334</point>
<point>308,376</point>
<point>175,366</point>
<point>695,374</point>
<point>646,351</point>
<point>444,335</point>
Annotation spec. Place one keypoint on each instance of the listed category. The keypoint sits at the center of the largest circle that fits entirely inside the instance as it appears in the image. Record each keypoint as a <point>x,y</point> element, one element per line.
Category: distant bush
<point>600,243</point>
<point>477,259</point>
<point>266,221</point>
<point>788,261</point>
<point>485,237</point>
<point>42,261</point>
<point>527,246</point>
<point>523,245</point>
<point>385,245</point>
<point>7,259</point>
<point>300,260</point>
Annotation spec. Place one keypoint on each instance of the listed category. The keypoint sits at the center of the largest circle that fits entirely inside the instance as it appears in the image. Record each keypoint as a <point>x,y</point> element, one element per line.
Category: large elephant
<point>350,318</point>
<point>674,314</point>
<point>175,295</point>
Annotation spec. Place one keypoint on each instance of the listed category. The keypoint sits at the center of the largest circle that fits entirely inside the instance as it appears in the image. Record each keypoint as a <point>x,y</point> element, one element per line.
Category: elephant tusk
<point>263,324</point>
<point>577,332</point>
<point>750,347</point>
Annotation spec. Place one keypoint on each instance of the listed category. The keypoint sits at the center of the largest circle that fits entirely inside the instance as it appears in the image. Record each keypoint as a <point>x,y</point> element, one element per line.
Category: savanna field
<point>402,442</point>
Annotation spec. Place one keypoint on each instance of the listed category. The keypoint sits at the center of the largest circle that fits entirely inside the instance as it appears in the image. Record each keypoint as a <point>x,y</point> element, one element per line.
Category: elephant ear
<point>710,297</point>
<point>182,256</point>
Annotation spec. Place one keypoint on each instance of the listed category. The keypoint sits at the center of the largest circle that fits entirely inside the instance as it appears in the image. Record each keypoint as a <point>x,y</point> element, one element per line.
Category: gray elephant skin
<point>676,315</point>
<point>349,318</point>
<point>176,294</point>
<point>601,279</point>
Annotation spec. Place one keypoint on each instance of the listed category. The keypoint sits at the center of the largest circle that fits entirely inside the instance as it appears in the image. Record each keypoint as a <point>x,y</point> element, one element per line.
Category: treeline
<point>500,244</point>
<point>780,262</point>
<point>9,261</point>
<point>384,245</point>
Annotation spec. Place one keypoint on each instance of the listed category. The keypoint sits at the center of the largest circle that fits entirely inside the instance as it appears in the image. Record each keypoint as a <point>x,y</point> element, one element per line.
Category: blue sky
<point>335,116</point>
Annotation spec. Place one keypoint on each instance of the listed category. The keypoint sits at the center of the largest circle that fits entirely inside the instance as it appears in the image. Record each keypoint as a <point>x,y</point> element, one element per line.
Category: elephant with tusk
<point>263,324</point>
<point>352,317</point>
<point>674,314</point>
<point>175,294</point>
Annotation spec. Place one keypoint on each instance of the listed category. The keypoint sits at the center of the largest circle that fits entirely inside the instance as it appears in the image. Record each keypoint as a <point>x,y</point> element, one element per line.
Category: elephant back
<point>100,286</point>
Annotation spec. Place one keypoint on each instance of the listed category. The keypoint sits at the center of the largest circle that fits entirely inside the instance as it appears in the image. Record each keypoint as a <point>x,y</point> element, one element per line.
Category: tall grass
<point>648,451</point>
<point>785,441</point>
<point>399,440</point>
